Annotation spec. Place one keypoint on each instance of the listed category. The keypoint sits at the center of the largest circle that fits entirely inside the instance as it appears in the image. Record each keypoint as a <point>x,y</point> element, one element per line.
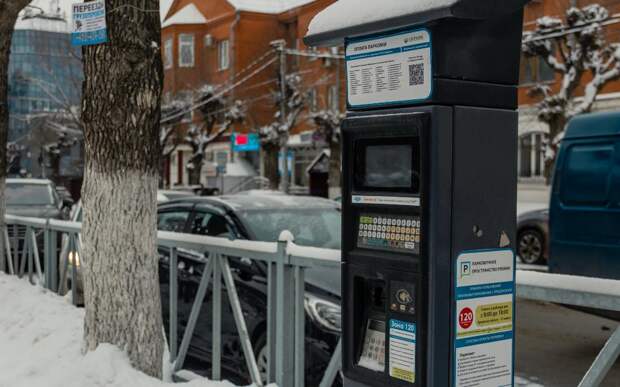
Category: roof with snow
<point>348,18</point>
<point>187,15</point>
<point>268,6</point>
<point>190,14</point>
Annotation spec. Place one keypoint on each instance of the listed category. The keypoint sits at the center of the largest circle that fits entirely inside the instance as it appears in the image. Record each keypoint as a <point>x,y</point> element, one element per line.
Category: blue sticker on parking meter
<point>394,68</point>
<point>402,350</point>
<point>484,319</point>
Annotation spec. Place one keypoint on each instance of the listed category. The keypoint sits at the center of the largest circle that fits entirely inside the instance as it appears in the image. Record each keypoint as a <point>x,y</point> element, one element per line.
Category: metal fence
<point>286,265</point>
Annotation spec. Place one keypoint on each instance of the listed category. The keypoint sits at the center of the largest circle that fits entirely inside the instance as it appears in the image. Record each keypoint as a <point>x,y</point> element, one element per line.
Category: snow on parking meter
<point>429,189</point>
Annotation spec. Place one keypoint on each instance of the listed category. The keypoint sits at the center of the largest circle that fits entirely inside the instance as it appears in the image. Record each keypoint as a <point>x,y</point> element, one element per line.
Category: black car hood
<point>324,279</point>
<point>34,211</point>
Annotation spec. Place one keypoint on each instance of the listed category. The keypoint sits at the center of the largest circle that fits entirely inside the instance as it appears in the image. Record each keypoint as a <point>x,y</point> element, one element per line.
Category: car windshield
<point>310,227</point>
<point>23,194</point>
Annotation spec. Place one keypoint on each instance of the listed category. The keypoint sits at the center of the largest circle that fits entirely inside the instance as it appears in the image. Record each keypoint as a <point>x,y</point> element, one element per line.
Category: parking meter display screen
<point>388,165</point>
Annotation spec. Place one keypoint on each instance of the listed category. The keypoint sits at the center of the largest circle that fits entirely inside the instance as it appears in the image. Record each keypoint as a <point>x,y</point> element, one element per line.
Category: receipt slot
<point>429,193</point>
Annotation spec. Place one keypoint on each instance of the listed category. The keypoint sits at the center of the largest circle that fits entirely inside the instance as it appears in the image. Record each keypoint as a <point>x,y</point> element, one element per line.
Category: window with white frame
<point>313,99</point>
<point>186,50</point>
<point>223,49</point>
<point>168,55</point>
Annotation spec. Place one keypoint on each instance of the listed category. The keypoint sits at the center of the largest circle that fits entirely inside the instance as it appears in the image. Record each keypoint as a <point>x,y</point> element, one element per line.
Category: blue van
<point>585,199</point>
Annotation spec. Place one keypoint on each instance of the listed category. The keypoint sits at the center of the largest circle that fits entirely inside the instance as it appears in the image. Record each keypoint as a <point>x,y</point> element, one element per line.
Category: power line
<point>218,94</point>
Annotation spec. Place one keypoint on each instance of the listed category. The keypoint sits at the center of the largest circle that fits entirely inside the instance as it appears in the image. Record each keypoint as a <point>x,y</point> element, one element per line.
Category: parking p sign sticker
<point>89,23</point>
<point>484,314</point>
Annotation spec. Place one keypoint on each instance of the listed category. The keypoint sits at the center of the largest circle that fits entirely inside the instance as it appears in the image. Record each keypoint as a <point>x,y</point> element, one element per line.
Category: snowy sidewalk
<point>40,345</point>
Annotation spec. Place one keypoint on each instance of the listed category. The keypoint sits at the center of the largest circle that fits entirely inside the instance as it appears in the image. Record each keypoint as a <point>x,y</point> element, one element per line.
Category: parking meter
<point>429,195</point>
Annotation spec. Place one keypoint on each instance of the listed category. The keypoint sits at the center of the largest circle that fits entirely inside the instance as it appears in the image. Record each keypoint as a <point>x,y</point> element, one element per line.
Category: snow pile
<point>348,13</point>
<point>41,340</point>
<point>568,282</point>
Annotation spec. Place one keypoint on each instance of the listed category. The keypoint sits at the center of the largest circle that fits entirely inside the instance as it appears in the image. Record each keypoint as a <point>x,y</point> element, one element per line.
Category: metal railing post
<point>335,364</point>
<point>7,246</point>
<point>285,331</point>
<point>3,256</point>
<point>73,249</point>
<point>271,316</point>
<point>174,299</point>
<point>47,255</point>
<point>242,329</point>
<point>300,327</point>
<point>216,360</point>
<point>603,363</point>
<point>193,316</point>
<point>53,260</point>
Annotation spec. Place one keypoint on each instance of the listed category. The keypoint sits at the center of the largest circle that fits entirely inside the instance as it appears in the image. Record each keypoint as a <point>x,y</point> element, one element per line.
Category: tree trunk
<point>195,172</point>
<point>271,167</point>
<point>9,10</point>
<point>121,113</point>
<point>556,127</point>
<point>335,174</point>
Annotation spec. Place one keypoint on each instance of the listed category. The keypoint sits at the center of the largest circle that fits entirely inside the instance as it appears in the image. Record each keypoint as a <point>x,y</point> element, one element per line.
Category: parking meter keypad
<point>389,232</point>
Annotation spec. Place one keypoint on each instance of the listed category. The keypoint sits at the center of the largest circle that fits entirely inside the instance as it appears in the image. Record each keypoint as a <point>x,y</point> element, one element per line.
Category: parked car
<point>585,199</point>
<point>313,221</point>
<point>35,198</point>
<point>533,236</point>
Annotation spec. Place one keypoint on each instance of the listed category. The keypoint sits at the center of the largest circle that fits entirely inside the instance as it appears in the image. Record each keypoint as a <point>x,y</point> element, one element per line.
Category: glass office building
<point>45,71</point>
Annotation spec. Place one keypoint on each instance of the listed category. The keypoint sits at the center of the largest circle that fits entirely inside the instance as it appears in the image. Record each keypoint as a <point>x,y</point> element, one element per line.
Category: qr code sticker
<point>416,74</point>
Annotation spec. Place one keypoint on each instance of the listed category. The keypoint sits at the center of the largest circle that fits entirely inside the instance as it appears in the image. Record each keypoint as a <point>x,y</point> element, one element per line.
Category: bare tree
<point>9,11</point>
<point>121,112</point>
<point>213,108</point>
<point>576,49</point>
<point>328,124</point>
<point>275,135</point>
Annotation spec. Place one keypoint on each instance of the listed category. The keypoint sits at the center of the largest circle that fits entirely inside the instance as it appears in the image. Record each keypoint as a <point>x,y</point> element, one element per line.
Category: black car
<point>533,236</point>
<point>314,222</point>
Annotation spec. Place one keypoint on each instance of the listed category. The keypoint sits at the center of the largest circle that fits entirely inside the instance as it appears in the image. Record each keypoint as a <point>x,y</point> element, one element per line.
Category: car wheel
<point>262,361</point>
<point>531,247</point>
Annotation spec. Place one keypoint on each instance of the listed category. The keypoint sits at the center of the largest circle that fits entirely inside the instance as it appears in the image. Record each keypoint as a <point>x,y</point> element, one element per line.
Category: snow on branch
<point>576,49</point>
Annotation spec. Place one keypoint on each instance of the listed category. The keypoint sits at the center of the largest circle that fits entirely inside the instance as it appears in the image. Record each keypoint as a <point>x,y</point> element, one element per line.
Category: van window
<point>586,175</point>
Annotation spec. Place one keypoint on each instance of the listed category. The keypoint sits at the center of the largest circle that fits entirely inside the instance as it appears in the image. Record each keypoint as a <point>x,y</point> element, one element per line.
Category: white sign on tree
<point>89,23</point>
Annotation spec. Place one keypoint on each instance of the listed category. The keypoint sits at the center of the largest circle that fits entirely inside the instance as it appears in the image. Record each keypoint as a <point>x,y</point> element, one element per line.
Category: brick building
<point>532,132</point>
<point>228,42</point>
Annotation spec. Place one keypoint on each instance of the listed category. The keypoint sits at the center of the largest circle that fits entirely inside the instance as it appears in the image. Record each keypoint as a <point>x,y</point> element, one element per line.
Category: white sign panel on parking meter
<point>484,314</point>
<point>389,69</point>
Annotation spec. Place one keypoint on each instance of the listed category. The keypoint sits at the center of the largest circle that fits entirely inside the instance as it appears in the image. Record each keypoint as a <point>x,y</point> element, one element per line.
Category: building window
<point>535,70</point>
<point>186,50</point>
<point>332,98</point>
<point>168,55</point>
<point>313,100</point>
<point>223,49</point>
<point>532,155</point>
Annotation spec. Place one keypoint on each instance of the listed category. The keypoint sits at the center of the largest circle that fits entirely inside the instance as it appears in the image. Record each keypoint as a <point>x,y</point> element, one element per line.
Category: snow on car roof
<point>28,181</point>
<point>264,202</point>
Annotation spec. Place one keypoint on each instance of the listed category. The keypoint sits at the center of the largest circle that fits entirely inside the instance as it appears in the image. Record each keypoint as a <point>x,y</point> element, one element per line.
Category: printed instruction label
<point>390,69</point>
<point>89,23</point>
<point>386,200</point>
<point>484,319</point>
<point>402,350</point>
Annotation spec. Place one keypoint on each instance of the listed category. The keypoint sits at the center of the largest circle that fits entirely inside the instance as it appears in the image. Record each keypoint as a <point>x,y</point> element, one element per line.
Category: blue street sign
<point>245,142</point>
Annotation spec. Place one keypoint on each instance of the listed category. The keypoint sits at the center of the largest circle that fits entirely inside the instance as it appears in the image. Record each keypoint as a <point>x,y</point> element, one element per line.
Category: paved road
<point>556,345</point>
<point>532,197</point>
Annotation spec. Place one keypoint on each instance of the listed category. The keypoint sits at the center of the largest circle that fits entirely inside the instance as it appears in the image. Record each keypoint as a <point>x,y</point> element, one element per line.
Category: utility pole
<point>280,46</point>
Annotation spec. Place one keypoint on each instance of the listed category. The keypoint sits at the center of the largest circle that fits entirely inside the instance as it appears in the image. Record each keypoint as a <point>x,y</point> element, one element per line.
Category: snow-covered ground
<point>41,341</point>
